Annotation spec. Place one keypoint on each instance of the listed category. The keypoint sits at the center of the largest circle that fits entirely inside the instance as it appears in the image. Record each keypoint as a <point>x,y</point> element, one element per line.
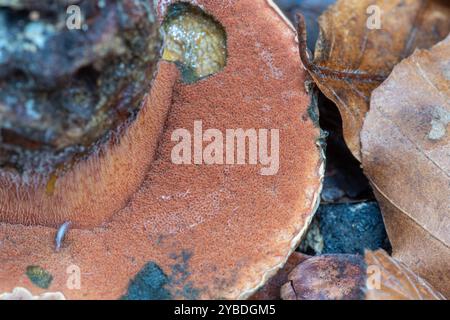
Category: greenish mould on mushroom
<point>39,276</point>
<point>149,284</point>
<point>194,41</point>
<point>152,283</point>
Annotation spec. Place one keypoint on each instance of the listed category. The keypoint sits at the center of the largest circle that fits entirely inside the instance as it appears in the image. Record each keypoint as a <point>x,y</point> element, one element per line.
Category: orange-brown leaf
<point>352,60</point>
<point>395,281</point>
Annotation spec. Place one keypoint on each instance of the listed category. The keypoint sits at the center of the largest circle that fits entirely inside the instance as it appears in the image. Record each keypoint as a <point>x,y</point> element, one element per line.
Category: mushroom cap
<point>189,231</point>
<point>372,276</point>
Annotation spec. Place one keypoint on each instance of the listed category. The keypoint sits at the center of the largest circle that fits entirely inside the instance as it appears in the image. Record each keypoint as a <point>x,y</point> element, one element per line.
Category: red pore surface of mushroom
<point>144,227</point>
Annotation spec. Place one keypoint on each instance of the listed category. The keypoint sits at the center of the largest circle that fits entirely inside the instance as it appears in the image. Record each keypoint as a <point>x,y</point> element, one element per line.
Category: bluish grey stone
<point>346,228</point>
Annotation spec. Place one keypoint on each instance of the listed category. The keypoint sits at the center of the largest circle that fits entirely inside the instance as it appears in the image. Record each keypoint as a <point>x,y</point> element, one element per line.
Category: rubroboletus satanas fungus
<point>144,227</point>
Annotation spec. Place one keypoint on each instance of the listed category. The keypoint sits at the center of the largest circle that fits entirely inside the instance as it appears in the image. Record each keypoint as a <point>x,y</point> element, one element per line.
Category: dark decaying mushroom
<point>372,276</point>
<point>67,80</point>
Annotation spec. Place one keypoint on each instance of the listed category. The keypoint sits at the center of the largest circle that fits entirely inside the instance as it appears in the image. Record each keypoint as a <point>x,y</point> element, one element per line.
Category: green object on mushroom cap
<point>195,41</point>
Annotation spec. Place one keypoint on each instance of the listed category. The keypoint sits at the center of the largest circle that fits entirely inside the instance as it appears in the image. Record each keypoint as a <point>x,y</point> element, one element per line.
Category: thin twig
<point>323,72</point>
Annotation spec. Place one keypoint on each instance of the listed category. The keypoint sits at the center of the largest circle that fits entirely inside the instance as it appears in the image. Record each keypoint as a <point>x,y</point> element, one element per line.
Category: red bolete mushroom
<point>143,227</point>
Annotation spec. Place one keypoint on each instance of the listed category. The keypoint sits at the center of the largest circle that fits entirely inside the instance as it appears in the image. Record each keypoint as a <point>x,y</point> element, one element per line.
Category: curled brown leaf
<point>351,59</point>
<point>388,279</point>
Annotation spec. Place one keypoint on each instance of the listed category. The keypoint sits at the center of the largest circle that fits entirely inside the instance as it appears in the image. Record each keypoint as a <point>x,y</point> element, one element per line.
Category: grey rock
<point>346,228</point>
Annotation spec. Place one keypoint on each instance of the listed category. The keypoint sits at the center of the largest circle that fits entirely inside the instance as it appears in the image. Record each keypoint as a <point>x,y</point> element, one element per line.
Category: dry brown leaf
<point>374,276</point>
<point>406,155</point>
<point>394,281</point>
<point>351,60</point>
